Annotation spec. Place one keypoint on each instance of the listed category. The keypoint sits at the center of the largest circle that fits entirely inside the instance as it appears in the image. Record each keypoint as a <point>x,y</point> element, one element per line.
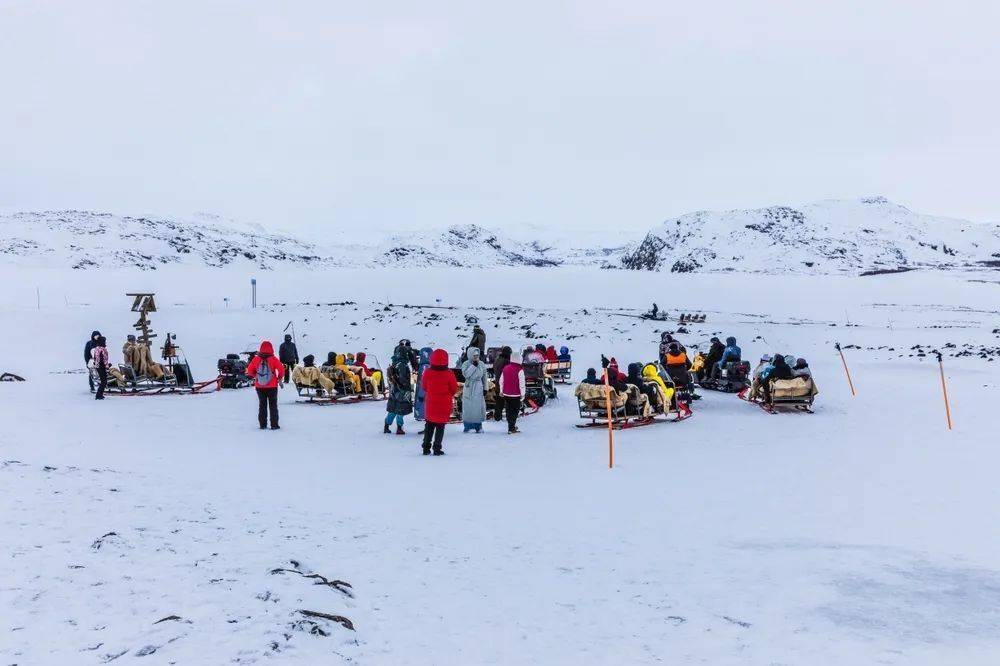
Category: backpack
<point>264,374</point>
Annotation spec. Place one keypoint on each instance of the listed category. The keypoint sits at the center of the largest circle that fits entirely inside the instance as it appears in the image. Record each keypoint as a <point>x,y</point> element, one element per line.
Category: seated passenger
<point>731,354</point>
<point>340,363</point>
<point>651,374</point>
<point>372,377</point>
<point>801,368</point>
<point>779,369</point>
<point>714,356</point>
<point>591,377</point>
<point>564,354</point>
<point>677,364</point>
<point>308,375</point>
<point>551,355</point>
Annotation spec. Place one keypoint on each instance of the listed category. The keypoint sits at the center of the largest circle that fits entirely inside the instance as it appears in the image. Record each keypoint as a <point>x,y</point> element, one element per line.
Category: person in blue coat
<point>564,354</point>
<point>731,354</point>
<point>423,363</point>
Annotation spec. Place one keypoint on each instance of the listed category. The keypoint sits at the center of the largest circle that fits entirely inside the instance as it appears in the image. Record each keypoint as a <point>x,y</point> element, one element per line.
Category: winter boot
<point>399,430</point>
<point>439,453</point>
<point>427,452</point>
<point>386,429</point>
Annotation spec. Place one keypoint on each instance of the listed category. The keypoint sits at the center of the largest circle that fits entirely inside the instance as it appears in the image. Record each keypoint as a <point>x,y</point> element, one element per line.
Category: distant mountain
<point>86,240</point>
<point>826,237</point>
<point>833,236</point>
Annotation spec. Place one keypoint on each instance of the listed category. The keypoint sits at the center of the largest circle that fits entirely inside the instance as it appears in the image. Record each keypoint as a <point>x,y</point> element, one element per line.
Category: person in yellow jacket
<point>340,363</point>
<point>650,373</point>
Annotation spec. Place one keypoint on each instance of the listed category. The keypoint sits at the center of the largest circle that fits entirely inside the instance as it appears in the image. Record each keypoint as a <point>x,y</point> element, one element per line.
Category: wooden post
<point>611,432</point>
<point>944,391</point>
<point>846,371</point>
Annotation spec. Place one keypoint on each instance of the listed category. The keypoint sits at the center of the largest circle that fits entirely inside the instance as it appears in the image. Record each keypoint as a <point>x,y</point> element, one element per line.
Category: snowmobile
<point>233,371</point>
<point>734,378</point>
<point>539,386</point>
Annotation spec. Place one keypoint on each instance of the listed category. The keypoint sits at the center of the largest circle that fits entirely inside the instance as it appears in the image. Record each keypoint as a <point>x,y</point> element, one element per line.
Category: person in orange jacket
<point>266,371</point>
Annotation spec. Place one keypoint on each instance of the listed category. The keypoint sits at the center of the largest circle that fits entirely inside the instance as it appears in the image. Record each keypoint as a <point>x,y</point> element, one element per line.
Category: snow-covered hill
<point>89,240</point>
<point>828,237</point>
<point>833,236</point>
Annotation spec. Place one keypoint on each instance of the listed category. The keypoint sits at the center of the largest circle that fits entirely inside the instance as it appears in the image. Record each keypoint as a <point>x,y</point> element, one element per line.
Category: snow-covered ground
<point>864,533</point>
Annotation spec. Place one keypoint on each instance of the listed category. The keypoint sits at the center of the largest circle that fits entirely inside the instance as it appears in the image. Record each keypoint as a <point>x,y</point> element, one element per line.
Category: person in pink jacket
<point>512,391</point>
<point>266,371</point>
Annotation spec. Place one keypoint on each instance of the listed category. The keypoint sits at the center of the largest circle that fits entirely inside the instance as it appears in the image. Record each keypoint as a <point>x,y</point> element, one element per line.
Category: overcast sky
<point>345,116</point>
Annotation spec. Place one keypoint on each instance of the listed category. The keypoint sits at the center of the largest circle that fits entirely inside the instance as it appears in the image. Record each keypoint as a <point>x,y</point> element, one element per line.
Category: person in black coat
<point>478,340</point>
<point>779,370</point>
<point>591,377</point>
<point>91,343</point>
<point>288,354</point>
<point>714,356</point>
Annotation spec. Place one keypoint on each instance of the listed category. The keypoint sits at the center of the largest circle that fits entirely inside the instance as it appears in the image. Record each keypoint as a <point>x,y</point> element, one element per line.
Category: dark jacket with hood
<point>714,352</point>
<point>779,369</point>
<point>287,352</point>
<point>591,377</point>
<point>478,340</point>
<point>91,343</point>
<point>400,386</point>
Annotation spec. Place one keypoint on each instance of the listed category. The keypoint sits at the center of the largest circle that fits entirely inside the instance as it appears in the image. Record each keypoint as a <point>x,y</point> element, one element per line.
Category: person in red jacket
<point>266,371</point>
<point>440,386</point>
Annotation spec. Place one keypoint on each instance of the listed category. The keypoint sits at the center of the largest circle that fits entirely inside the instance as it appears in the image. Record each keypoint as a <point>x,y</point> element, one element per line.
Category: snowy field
<point>865,533</point>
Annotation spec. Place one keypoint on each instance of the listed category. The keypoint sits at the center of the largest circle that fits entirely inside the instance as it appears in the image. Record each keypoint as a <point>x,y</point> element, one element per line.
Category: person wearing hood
<point>677,364</point>
<point>91,343</point>
<point>550,354</point>
<point>533,355</point>
<point>100,361</point>
<point>340,363</point>
<point>404,348</point>
<point>651,374</point>
<point>666,339</point>
<point>440,386</point>
<point>266,371</point>
<point>592,377</point>
<point>478,341</point>
<point>713,356</point>
<point>473,391</point>
<point>730,354</point>
<point>501,361</point>
<point>564,354</point>
<point>779,369</point>
<point>288,354</point>
<point>423,362</point>
<point>372,377</point>
<point>801,368</point>
<point>400,401</point>
<point>512,391</point>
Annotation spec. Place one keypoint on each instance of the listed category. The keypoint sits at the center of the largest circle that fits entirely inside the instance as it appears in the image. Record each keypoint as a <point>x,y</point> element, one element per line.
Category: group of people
<point>773,367</point>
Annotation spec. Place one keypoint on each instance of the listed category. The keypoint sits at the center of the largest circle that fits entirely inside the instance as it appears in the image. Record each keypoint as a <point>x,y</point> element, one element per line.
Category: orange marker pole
<point>611,433</point>
<point>846,371</point>
<point>944,391</point>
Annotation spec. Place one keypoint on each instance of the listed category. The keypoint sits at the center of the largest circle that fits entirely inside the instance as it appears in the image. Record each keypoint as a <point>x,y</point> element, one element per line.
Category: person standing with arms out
<point>502,359</point>
<point>99,361</point>
<point>288,354</point>
<point>473,391</point>
<point>266,371</point>
<point>400,401</point>
<point>440,387</point>
<point>512,390</point>
<point>87,357</point>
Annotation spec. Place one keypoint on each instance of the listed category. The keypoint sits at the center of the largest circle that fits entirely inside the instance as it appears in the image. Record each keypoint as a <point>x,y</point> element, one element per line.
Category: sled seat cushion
<point>799,387</point>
